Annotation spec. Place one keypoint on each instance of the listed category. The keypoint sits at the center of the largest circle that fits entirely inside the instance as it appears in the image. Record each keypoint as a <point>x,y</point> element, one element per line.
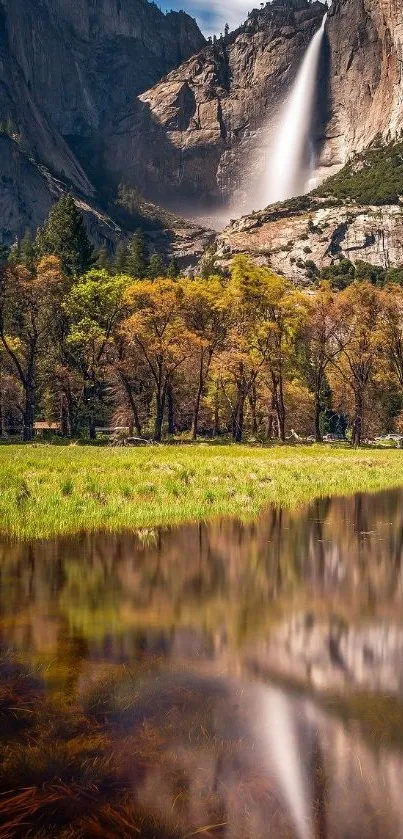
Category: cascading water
<point>291,163</point>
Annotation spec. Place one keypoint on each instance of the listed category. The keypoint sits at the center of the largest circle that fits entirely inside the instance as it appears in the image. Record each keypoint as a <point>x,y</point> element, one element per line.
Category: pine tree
<point>26,250</point>
<point>136,262</point>
<point>64,235</point>
<point>173,269</point>
<point>102,259</point>
<point>4,254</point>
<point>120,260</point>
<point>156,267</point>
<point>14,253</point>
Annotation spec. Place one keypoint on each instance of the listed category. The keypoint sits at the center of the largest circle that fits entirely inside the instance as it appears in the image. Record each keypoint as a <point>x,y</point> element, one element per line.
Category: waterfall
<point>291,163</point>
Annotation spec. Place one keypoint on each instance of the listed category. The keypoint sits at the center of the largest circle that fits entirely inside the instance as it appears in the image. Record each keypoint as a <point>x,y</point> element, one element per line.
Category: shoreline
<point>48,491</point>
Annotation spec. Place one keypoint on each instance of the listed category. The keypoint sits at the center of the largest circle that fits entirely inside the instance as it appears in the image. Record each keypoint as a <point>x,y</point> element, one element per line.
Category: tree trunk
<point>171,410</point>
<point>358,420</point>
<point>29,412</point>
<point>318,411</point>
<point>278,404</point>
<point>196,411</point>
<point>281,410</point>
<point>272,412</point>
<point>238,418</point>
<point>217,427</point>
<point>238,414</point>
<point>159,415</point>
<point>91,428</point>
<point>132,403</point>
<point>64,416</point>
<point>253,403</point>
<point>72,420</point>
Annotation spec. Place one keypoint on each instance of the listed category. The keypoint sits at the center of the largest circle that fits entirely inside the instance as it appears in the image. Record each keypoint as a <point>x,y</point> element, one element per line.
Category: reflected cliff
<point>216,678</point>
<point>221,584</point>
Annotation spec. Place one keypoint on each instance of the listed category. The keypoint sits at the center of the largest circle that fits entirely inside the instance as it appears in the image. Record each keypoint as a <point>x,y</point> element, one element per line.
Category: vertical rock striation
<point>366,76</point>
<point>202,132</point>
<point>67,67</point>
<point>199,130</point>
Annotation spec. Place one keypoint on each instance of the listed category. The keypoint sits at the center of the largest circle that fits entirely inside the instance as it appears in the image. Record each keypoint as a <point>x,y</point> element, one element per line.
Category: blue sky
<point>212,15</point>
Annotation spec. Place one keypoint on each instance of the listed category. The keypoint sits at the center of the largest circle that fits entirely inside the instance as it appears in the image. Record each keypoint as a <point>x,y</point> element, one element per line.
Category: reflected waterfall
<point>284,753</point>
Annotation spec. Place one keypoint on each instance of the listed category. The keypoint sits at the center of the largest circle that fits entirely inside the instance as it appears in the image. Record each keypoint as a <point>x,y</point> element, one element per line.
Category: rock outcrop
<point>302,237</point>
<point>365,92</point>
<point>199,134</point>
<point>66,68</point>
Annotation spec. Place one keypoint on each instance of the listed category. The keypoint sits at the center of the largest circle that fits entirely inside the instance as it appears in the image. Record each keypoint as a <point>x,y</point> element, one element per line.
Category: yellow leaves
<point>49,268</point>
<point>158,296</point>
<point>14,343</point>
<point>156,325</point>
<point>254,286</point>
<point>38,283</point>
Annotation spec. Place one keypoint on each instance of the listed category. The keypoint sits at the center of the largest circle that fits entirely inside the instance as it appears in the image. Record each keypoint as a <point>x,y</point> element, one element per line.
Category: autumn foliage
<point>246,355</point>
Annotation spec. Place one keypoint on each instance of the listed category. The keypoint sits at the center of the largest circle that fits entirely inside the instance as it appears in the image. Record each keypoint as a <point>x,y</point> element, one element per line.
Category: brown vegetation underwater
<point>73,768</point>
<point>61,773</point>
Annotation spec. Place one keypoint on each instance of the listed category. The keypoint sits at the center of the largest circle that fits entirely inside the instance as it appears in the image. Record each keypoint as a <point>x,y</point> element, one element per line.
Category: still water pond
<point>243,681</point>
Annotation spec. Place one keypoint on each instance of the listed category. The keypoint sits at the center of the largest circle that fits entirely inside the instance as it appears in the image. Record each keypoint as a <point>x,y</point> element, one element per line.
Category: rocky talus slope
<point>296,241</point>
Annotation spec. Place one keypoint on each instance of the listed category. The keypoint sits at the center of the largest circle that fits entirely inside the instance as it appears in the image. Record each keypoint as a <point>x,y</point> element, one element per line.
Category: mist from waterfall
<point>291,163</point>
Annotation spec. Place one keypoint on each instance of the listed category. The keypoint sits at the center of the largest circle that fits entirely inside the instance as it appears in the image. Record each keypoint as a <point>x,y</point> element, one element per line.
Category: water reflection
<point>243,680</point>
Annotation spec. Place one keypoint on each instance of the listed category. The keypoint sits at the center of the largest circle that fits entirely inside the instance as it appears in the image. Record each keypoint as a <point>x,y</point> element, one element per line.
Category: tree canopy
<point>64,235</point>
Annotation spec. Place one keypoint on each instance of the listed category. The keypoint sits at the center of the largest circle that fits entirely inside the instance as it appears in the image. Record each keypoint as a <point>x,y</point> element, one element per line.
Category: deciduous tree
<point>29,303</point>
<point>157,328</point>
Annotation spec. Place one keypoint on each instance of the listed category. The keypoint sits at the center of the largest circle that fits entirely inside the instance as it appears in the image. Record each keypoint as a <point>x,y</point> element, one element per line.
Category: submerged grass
<point>47,490</point>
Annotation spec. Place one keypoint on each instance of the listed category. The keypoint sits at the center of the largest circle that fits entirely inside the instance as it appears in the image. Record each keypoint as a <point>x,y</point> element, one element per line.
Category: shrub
<point>373,177</point>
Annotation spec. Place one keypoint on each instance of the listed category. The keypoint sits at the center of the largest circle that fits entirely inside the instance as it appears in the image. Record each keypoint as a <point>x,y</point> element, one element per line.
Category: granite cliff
<point>65,69</point>
<point>200,134</point>
<point>365,82</point>
<point>95,95</point>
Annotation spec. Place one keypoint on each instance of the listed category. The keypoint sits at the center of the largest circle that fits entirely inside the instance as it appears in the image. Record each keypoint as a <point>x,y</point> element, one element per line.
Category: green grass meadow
<point>47,490</point>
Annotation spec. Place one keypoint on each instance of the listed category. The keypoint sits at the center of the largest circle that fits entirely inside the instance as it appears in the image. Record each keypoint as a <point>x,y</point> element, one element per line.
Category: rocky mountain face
<point>201,134</point>
<point>87,62</point>
<point>195,135</point>
<point>365,82</point>
<point>306,236</point>
<point>66,69</point>
<point>99,93</point>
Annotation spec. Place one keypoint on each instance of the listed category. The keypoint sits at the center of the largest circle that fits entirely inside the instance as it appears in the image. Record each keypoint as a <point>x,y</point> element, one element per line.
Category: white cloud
<point>212,15</point>
<point>218,14</point>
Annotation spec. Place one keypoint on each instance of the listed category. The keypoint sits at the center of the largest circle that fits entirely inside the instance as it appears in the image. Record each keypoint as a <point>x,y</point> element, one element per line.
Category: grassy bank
<point>46,490</point>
